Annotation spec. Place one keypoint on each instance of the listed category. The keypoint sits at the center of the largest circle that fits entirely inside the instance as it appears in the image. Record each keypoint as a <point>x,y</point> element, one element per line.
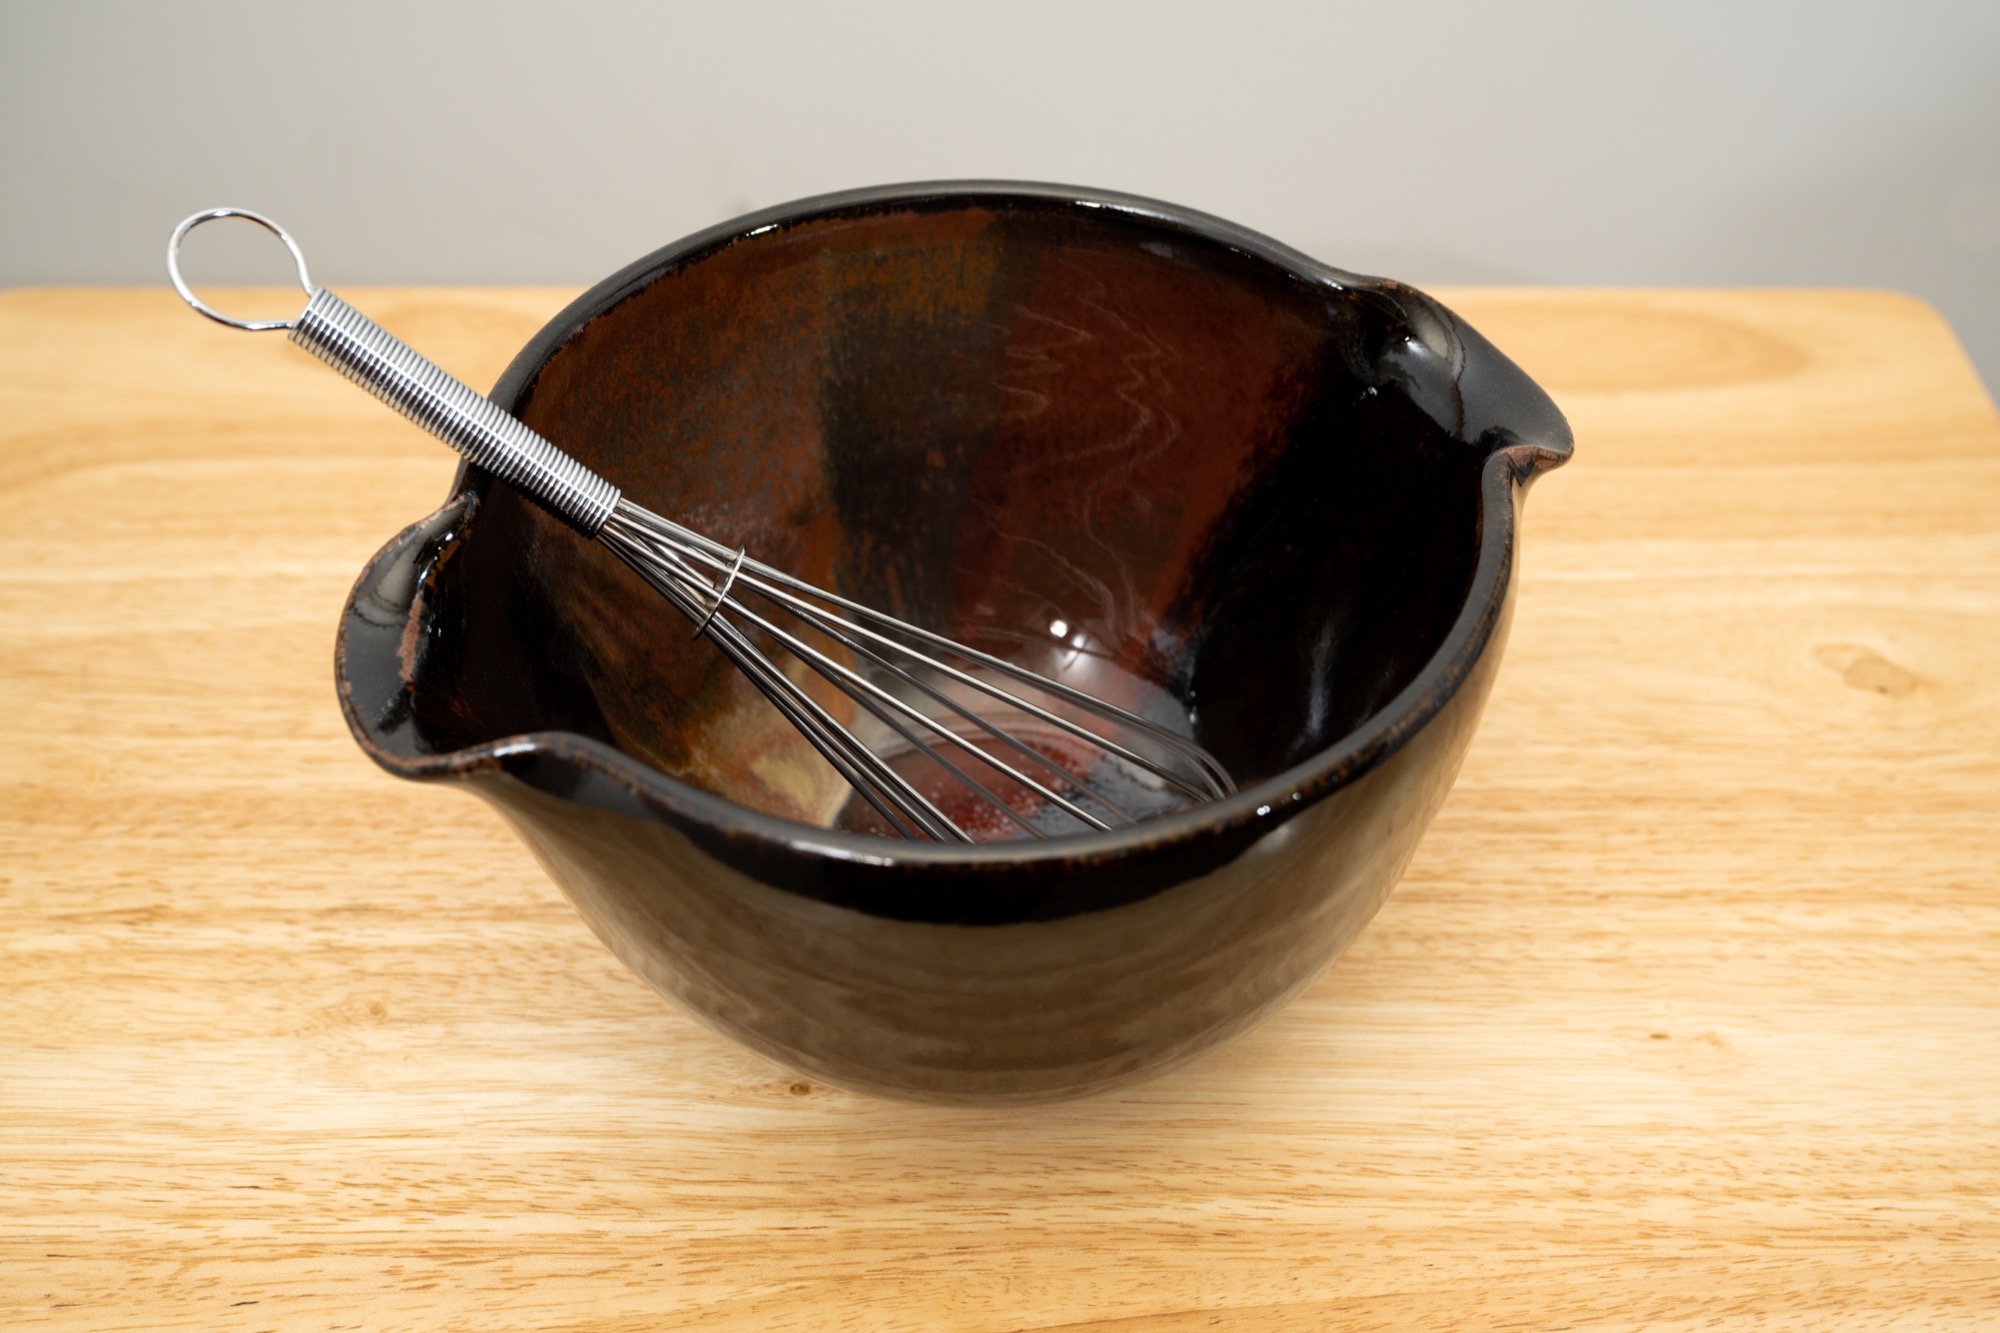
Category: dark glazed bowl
<point>1281,494</point>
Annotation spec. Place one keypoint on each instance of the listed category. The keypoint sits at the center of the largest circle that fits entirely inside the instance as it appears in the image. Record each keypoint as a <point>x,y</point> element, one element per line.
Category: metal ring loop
<point>722,593</point>
<point>187,293</point>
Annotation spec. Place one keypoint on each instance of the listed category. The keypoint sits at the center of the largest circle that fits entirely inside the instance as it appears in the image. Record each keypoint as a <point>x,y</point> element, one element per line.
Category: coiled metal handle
<point>393,371</point>
<point>421,390</point>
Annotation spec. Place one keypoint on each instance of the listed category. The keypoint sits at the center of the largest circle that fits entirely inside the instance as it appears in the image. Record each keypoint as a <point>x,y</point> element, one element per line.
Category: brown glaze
<point>1281,496</point>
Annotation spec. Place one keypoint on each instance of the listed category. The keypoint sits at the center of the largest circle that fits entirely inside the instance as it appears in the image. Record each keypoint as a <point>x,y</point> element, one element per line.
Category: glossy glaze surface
<point>1277,497</point>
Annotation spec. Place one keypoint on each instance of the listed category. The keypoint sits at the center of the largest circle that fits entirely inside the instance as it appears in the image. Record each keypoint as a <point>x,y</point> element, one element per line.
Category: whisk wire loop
<point>671,543</point>
<point>1205,779</point>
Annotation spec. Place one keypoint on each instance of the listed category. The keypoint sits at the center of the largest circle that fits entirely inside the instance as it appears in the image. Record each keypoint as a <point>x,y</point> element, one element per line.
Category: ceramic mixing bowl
<point>1134,446</point>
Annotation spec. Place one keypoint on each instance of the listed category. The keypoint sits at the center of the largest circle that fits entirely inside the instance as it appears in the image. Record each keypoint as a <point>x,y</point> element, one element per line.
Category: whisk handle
<point>396,373</point>
<point>389,368</point>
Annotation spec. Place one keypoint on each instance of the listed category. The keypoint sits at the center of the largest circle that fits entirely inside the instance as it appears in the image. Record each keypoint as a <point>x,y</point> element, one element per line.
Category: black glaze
<point>1331,602</point>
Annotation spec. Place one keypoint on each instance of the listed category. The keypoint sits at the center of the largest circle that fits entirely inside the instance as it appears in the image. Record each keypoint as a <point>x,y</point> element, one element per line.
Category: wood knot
<point>1866,669</point>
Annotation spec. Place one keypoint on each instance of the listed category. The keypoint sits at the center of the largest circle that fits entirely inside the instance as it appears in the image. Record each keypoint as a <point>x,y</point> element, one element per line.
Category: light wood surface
<point>1687,1015</point>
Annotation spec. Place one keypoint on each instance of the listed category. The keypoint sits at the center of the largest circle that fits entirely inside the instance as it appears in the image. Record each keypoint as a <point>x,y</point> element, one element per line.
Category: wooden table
<point>1687,1015</point>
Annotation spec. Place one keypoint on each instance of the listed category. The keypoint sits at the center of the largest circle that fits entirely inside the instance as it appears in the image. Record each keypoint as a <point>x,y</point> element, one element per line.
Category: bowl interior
<point>1111,447</point>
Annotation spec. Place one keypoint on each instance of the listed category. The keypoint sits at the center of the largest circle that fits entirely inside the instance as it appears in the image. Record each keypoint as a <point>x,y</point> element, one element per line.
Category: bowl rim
<point>1512,462</point>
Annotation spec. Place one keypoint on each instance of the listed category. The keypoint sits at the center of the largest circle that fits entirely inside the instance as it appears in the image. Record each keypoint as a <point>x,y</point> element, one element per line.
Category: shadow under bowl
<point>1120,442</point>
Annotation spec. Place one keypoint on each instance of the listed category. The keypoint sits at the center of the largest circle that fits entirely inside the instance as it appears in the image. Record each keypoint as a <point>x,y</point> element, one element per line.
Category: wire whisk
<point>976,717</point>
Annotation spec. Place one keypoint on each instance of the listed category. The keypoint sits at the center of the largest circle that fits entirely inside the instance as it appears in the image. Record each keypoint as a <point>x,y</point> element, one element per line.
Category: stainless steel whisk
<point>923,688</point>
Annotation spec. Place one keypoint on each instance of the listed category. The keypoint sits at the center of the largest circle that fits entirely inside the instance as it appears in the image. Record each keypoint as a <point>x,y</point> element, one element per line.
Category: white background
<point>1837,143</point>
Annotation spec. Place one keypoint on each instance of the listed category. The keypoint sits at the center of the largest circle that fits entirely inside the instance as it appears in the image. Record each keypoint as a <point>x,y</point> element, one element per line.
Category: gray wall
<point>1553,142</point>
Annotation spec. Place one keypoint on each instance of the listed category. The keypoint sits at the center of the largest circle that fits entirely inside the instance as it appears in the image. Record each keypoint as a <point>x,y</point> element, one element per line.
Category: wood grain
<point>1687,1015</point>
